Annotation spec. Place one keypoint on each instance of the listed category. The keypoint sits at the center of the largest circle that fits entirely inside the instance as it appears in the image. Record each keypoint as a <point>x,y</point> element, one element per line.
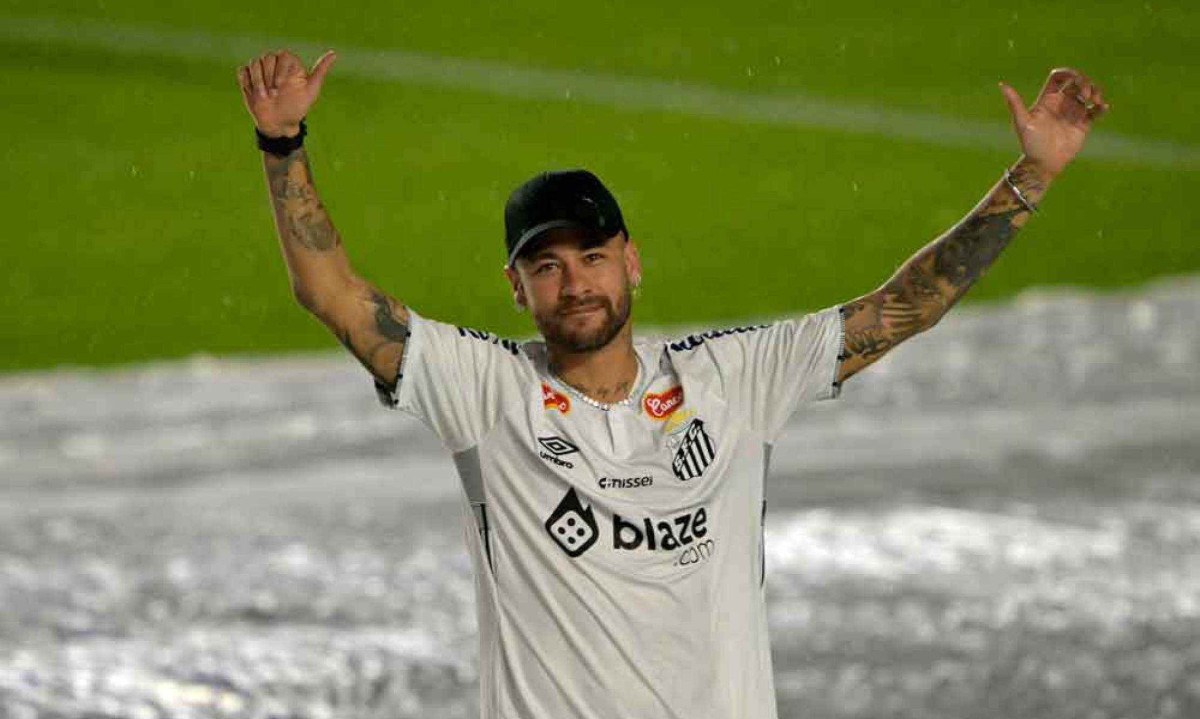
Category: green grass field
<point>139,225</point>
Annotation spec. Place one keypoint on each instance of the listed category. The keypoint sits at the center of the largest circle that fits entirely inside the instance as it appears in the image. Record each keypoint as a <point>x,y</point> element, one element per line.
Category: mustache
<point>575,306</point>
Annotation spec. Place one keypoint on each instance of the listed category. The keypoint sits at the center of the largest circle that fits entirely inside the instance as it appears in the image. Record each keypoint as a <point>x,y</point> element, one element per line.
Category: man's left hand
<point>1053,130</point>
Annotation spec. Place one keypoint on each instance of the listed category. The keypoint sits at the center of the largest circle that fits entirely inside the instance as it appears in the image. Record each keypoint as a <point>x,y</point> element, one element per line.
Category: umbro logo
<point>557,446</point>
<point>554,448</point>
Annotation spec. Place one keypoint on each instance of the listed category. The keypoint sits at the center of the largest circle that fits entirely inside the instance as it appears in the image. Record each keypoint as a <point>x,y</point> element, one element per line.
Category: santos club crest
<point>694,452</point>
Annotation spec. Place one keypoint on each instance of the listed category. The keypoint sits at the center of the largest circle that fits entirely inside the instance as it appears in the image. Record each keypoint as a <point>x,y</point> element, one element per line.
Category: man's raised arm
<point>933,280</point>
<point>278,93</point>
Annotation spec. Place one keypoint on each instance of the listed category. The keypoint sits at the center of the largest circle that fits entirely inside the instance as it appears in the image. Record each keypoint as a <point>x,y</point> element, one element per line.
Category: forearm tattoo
<point>962,255</point>
<point>873,328</point>
<point>933,280</point>
<point>301,217</point>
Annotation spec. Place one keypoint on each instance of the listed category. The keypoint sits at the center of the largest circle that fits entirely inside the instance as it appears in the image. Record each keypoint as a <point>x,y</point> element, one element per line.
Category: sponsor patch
<point>694,452</point>
<point>573,526</point>
<point>687,531</point>
<point>645,480</point>
<point>694,555</point>
<point>555,400</point>
<point>663,404</point>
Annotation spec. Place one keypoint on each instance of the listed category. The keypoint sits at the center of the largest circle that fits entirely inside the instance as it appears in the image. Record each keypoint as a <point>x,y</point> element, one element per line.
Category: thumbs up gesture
<point>278,91</point>
<point>1053,130</point>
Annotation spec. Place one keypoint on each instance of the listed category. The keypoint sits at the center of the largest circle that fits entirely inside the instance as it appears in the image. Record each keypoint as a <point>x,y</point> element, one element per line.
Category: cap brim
<point>534,232</point>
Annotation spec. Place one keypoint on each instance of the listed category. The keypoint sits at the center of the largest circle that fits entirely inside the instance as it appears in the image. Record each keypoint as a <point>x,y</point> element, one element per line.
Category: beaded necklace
<point>602,405</point>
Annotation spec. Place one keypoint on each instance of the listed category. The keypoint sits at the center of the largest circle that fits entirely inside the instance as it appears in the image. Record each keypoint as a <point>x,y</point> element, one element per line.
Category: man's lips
<point>581,310</point>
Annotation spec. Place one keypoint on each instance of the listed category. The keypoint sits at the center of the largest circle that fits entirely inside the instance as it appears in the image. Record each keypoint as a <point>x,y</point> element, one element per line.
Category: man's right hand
<point>278,90</point>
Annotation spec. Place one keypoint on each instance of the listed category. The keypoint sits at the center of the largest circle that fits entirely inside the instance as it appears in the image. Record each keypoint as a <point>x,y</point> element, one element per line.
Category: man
<point>615,486</point>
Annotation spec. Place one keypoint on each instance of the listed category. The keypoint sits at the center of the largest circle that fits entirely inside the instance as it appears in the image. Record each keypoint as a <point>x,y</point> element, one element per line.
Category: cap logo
<point>595,209</point>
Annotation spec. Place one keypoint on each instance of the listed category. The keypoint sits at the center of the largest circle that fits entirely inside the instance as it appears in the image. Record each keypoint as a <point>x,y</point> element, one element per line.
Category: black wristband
<point>281,146</point>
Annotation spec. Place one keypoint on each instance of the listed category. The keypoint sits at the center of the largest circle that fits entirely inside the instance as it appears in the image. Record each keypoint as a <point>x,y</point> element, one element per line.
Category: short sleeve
<point>789,363</point>
<point>450,378</point>
<point>769,370</point>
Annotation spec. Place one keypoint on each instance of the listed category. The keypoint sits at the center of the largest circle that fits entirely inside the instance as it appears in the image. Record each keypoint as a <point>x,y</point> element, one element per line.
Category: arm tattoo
<point>878,327</point>
<point>299,214</point>
<point>933,280</point>
<point>389,325</point>
<point>962,255</point>
<point>368,323</point>
<point>389,332</point>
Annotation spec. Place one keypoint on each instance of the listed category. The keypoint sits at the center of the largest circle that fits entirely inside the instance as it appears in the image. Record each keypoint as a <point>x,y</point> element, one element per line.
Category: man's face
<point>578,288</point>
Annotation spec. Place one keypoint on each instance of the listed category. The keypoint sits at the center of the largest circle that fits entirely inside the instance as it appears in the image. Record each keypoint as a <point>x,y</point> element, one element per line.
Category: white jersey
<point>618,554</point>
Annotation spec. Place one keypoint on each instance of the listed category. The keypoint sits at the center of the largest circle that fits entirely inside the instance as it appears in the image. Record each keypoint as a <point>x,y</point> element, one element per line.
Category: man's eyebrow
<point>543,255</point>
<point>549,253</point>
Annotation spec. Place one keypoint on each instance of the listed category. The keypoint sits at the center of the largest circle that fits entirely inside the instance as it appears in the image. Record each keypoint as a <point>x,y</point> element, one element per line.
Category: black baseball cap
<point>562,198</point>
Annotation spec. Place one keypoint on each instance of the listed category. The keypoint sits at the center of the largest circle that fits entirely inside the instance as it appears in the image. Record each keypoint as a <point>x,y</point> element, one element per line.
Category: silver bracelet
<point>1017,191</point>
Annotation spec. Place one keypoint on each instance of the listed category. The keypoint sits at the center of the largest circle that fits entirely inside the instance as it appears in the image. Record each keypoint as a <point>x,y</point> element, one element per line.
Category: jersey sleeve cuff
<point>835,387</point>
<point>396,396</point>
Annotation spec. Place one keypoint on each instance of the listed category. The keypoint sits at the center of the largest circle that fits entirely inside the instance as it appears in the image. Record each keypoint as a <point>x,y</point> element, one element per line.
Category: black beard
<point>575,341</point>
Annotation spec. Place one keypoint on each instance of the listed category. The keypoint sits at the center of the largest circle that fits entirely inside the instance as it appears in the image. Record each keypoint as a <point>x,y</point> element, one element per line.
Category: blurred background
<point>206,513</point>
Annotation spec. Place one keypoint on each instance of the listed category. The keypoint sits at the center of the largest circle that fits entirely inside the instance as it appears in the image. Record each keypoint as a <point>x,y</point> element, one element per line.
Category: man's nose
<point>573,281</point>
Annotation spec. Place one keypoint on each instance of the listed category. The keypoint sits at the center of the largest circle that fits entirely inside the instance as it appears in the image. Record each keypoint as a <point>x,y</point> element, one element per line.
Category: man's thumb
<point>1015,105</point>
<point>320,70</point>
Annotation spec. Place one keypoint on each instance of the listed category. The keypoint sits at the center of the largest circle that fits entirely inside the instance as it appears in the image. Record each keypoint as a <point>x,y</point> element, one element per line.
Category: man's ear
<point>518,289</point>
<point>633,262</point>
